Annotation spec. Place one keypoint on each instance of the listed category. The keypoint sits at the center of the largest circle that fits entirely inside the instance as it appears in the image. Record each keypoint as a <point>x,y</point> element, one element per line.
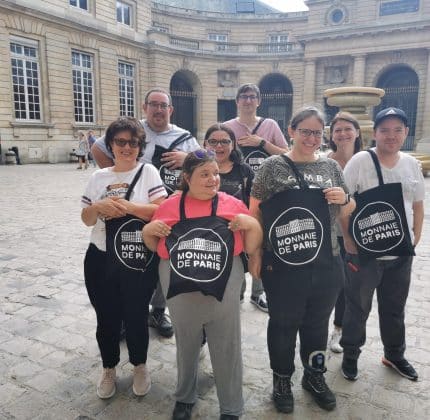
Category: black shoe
<point>349,369</point>
<point>228,417</point>
<point>260,302</point>
<point>402,367</point>
<point>282,395</point>
<point>182,411</point>
<point>158,319</point>
<point>314,382</point>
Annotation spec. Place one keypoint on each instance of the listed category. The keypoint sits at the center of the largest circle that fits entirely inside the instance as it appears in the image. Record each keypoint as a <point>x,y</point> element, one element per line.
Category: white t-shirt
<point>360,175</point>
<point>107,183</point>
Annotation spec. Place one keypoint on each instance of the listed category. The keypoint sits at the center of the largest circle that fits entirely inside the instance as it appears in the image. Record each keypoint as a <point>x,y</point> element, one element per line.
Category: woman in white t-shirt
<point>120,273</point>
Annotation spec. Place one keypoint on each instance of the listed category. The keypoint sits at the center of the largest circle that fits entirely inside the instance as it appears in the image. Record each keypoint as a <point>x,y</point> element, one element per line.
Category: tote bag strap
<point>377,166</point>
<point>133,183</point>
<point>299,177</point>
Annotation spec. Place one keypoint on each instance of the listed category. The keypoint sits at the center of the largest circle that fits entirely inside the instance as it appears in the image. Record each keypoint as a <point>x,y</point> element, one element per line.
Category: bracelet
<point>347,199</point>
<point>262,144</point>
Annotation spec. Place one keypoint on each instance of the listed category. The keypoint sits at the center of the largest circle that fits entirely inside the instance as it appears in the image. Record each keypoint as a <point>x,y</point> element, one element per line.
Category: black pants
<point>115,299</point>
<point>300,300</point>
<point>339,308</point>
<point>391,279</point>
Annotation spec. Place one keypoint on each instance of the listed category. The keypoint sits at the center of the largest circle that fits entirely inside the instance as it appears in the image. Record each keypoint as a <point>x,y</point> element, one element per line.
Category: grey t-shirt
<point>275,176</point>
<point>163,139</point>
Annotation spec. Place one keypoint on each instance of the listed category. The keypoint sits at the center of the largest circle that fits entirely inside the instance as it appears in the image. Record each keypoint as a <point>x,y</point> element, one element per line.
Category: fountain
<point>356,100</point>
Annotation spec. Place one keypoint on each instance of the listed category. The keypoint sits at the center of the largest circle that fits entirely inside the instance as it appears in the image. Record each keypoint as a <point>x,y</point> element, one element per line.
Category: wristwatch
<point>347,199</point>
<point>262,144</point>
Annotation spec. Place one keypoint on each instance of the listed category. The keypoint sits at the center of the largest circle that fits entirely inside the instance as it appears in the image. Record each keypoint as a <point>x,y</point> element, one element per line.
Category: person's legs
<point>157,317</point>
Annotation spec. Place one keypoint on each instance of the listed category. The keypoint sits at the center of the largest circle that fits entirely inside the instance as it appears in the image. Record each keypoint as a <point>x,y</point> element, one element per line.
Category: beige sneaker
<point>141,380</point>
<point>106,387</point>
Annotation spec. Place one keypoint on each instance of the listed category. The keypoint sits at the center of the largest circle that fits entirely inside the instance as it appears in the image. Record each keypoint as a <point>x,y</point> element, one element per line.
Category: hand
<point>173,160</point>
<point>157,228</point>
<point>252,140</point>
<point>239,222</point>
<point>350,246</point>
<point>110,208</point>
<point>335,195</point>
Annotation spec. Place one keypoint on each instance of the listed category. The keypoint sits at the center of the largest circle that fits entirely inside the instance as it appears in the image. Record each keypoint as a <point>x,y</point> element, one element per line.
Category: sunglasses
<point>122,142</point>
<point>204,154</point>
<point>223,142</point>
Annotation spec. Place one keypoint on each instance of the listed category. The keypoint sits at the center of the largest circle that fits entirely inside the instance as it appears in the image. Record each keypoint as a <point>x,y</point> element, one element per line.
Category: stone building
<point>70,65</point>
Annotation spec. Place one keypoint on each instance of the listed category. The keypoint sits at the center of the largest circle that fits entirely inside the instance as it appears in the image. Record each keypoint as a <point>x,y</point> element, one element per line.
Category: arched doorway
<point>401,91</point>
<point>184,101</point>
<point>276,99</point>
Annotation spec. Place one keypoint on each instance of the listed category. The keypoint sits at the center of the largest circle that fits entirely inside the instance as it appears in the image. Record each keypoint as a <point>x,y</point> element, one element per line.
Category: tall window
<point>279,43</point>
<point>25,80</point>
<point>126,89</point>
<point>123,13</point>
<point>81,4</point>
<point>83,86</point>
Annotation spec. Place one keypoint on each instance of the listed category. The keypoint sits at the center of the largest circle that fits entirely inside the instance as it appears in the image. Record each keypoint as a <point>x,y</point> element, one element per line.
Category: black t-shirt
<point>238,182</point>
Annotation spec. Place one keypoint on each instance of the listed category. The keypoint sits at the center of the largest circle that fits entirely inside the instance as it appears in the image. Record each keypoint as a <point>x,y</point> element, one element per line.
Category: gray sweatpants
<point>193,312</point>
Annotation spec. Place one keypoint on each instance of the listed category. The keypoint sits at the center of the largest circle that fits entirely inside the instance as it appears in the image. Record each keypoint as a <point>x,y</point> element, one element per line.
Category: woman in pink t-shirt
<point>199,235</point>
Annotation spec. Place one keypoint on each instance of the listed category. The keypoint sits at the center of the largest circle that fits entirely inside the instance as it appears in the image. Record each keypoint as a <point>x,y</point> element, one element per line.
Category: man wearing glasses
<point>159,132</point>
<point>257,138</point>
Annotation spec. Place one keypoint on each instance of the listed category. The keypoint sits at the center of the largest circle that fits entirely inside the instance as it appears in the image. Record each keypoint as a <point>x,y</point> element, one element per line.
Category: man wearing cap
<point>159,132</point>
<point>389,275</point>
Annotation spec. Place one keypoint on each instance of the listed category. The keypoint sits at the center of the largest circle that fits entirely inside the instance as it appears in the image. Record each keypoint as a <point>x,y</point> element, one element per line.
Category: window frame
<point>132,13</point>
<point>134,91</point>
<point>78,5</point>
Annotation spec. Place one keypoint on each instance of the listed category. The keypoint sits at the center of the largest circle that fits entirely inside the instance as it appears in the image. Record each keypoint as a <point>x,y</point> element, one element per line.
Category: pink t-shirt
<point>269,130</point>
<point>228,208</point>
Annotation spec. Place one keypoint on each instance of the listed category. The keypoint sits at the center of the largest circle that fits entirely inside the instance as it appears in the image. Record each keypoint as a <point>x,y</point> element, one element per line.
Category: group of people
<point>177,224</point>
<point>83,150</point>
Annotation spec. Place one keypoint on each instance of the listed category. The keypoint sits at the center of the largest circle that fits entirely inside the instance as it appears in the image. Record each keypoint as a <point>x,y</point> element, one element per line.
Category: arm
<point>142,211</point>
<point>153,231</point>
<point>102,160</point>
<point>108,207</point>
<point>175,159</point>
<point>254,141</point>
<point>418,209</point>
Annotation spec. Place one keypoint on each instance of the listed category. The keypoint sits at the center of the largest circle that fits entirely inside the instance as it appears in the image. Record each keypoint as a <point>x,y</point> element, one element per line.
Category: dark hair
<point>130,124</point>
<point>346,116</point>
<point>305,113</point>
<point>192,161</point>
<point>235,154</point>
<point>158,90</point>
<point>248,86</point>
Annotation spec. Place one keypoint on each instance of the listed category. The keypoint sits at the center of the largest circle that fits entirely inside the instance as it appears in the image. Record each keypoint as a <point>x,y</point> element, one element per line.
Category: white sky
<point>287,5</point>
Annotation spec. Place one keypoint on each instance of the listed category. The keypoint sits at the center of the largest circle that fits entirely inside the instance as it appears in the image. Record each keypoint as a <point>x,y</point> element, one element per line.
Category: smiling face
<point>305,144</point>
<point>390,134</point>
<point>204,182</point>
<point>215,143</point>
<point>344,135</point>
<point>125,154</point>
<point>247,102</point>
<point>158,111</point>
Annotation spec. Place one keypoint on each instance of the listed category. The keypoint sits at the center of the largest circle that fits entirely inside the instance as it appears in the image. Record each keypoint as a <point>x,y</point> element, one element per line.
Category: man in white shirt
<point>390,275</point>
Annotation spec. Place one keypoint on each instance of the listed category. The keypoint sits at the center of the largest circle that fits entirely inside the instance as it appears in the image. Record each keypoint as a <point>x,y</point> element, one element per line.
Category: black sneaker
<point>158,319</point>
<point>260,302</point>
<point>402,367</point>
<point>314,382</point>
<point>228,417</point>
<point>182,411</point>
<point>349,369</point>
<point>282,395</point>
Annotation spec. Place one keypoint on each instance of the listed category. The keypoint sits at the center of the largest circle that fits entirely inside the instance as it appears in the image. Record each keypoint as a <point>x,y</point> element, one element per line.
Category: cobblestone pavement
<point>49,361</point>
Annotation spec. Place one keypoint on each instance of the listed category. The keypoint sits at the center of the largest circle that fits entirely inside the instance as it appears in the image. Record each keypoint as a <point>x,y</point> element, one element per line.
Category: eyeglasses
<point>204,154</point>
<point>305,132</point>
<point>215,143</point>
<point>157,105</point>
<point>246,97</point>
<point>122,142</point>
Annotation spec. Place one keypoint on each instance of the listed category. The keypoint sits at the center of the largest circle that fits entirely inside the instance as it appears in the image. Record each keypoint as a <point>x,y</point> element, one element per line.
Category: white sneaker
<point>141,380</point>
<point>334,345</point>
<point>106,386</point>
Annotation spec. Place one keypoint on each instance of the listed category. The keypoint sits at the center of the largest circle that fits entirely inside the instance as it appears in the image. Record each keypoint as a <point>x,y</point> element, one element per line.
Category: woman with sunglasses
<point>120,272</point>
<point>199,235</point>
<point>297,197</point>
<point>345,141</point>
<point>236,180</point>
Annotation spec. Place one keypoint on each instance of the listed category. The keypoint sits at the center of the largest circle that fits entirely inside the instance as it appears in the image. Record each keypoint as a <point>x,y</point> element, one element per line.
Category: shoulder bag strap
<point>300,179</point>
<point>377,166</point>
<point>254,131</point>
<point>182,215</point>
<point>181,139</point>
<point>133,183</point>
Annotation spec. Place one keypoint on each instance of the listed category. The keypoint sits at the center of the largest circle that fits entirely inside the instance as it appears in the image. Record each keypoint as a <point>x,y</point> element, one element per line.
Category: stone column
<point>309,82</point>
<point>423,144</point>
<point>359,70</point>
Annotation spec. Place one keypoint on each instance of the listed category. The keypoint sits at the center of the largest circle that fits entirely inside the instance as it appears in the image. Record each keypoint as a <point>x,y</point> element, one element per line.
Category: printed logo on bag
<point>129,246</point>
<point>296,236</point>
<point>378,227</point>
<point>169,177</point>
<point>255,159</point>
<point>200,255</point>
